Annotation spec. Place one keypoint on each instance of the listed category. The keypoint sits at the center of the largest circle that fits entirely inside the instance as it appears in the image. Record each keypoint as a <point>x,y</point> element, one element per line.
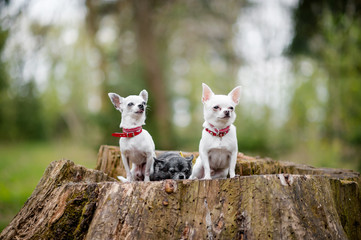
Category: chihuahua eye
<point>231,108</point>
<point>144,103</point>
<point>130,104</point>
<point>216,107</point>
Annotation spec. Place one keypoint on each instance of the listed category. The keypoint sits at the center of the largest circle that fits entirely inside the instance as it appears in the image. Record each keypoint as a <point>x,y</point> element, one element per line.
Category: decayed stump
<point>267,202</point>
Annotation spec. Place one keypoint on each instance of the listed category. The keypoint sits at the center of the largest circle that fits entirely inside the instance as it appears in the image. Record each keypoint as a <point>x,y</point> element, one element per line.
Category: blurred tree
<point>20,106</point>
<point>148,44</point>
<point>169,48</point>
<point>29,114</point>
<point>142,13</point>
<point>6,111</point>
<point>330,32</point>
<point>154,26</point>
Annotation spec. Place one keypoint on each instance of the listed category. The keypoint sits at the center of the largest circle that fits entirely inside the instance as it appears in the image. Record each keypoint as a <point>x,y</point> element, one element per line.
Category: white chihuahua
<point>218,147</point>
<point>136,145</point>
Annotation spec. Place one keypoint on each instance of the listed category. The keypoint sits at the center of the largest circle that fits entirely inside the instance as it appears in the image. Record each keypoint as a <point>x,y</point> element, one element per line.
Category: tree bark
<point>270,200</point>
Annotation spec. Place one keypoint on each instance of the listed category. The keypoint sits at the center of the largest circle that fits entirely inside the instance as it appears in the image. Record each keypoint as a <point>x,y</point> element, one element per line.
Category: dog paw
<point>232,175</point>
<point>123,179</point>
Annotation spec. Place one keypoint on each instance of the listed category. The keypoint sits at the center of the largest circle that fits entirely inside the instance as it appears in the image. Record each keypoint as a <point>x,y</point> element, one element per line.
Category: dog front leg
<point>205,163</point>
<point>232,165</point>
<point>126,167</point>
<point>148,167</point>
<point>197,170</point>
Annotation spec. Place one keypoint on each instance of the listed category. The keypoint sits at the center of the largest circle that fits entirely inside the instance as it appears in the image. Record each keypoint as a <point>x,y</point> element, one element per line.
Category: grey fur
<point>171,165</point>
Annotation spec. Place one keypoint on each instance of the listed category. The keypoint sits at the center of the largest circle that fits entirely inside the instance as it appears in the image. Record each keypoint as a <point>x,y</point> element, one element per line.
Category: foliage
<point>331,35</point>
<point>104,52</point>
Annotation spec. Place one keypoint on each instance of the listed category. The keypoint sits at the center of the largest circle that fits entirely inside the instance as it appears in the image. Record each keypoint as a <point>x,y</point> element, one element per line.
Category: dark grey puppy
<point>171,165</point>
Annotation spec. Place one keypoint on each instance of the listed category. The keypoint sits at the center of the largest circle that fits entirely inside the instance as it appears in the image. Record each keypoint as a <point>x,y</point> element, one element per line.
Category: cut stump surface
<point>269,200</point>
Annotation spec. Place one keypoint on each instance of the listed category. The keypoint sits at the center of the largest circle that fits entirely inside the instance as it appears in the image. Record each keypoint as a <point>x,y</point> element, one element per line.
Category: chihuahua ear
<point>116,100</point>
<point>190,159</point>
<point>235,94</point>
<point>158,162</point>
<point>207,93</point>
<point>144,95</point>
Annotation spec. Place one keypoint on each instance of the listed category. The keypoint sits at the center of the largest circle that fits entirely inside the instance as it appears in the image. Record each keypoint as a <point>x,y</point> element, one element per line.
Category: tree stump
<point>269,200</point>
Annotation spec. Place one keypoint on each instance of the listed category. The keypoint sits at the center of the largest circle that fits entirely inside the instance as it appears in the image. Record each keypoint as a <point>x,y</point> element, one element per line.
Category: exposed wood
<point>268,202</point>
<point>109,161</point>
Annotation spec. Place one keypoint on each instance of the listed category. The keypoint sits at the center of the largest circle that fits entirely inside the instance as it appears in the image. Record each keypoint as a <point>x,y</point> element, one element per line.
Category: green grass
<point>22,166</point>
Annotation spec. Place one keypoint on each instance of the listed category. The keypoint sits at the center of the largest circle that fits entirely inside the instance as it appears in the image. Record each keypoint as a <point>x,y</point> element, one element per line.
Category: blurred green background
<point>299,64</point>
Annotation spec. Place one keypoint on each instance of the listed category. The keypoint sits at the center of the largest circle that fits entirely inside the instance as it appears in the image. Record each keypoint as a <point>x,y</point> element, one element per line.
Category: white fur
<point>217,155</point>
<point>139,149</point>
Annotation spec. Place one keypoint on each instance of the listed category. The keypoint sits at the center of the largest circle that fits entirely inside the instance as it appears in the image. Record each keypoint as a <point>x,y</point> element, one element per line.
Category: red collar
<point>218,132</point>
<point>128,132</point>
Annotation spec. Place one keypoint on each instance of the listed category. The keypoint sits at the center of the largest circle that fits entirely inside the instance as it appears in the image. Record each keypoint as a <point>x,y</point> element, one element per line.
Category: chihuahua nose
<point>226,113</point>
<point>181,176</point>
<point>141,106</point>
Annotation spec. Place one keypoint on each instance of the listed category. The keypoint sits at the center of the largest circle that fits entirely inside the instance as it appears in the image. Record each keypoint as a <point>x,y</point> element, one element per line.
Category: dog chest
<point>219,158</point>
<point>134,151</point>
<point>136,157</point>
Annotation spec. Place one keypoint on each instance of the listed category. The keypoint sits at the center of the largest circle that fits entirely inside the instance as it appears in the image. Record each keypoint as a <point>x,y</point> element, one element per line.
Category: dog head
<point>172,166</point>
<point>132,108</point>
<point>218,110</point>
